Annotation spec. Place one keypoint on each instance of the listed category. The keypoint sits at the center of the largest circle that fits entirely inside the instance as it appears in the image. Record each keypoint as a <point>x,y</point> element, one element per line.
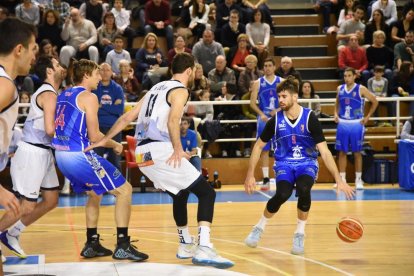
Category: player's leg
<point>264,156</point>
<point>341,146</point>
<point>357,141</point>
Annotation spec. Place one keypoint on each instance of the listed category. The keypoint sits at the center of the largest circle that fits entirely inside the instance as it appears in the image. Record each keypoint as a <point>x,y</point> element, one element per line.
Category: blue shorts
<point>290,171</point>
<point>260,127</point>
<point>349,133</point>
<point>88,171</point>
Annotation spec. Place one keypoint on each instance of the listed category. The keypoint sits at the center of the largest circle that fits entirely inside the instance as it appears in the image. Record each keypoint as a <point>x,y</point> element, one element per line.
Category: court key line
<point>222,240</point>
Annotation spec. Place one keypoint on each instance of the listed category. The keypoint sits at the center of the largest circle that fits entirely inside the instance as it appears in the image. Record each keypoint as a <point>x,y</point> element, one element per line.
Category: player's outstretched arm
<point>250,182</point>
<point>331,166</point>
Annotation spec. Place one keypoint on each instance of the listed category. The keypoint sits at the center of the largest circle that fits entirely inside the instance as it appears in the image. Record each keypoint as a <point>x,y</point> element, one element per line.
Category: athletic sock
<point>204,236</point>
<point>17,229</point>
<point>184,235</point>
<point>358,176</point>
<point>262,222</point>
<point>91,234</point>
<point>121,232</point>
<point>300,229</point>
<point>265,171</point>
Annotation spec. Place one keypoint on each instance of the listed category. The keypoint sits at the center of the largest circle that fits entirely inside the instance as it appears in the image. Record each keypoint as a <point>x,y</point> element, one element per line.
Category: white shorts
<point>151,159</point>
<point>33,168</point>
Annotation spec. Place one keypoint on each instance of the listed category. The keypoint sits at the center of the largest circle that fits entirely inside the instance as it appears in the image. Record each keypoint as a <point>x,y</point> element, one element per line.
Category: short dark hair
<point>379,68</point>
<point>312,94</point>
<point>40,68</point>
<point>186,119</point>
<point>118,37</point>
<point>181,62</point>
<point>359,7</point>
<point>14,32</point>
<point>83,67</point>
<point>290,84</point>
<point>269,59</point>
<point>350,69</point>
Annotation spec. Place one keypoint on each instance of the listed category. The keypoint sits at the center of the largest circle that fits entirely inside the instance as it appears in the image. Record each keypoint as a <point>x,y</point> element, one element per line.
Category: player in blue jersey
<point>349,114</point>
<point>263,101</point>
<point>297,137</point>
<point>77,126</point>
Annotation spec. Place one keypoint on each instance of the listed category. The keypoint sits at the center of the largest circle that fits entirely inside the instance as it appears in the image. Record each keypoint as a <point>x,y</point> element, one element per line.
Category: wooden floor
<point>387,247</point>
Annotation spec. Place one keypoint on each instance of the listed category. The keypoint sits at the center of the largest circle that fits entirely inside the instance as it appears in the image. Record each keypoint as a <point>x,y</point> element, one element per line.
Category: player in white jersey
<point>33,165</point>
<point>17,51</point>
<point>161,157</point>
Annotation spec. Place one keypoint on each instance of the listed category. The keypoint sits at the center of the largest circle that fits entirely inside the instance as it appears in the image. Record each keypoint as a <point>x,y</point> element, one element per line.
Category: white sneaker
<point>208,256</point>
<point>186,250</point>
<point>66,188</point>
<point>359,184</point>
<point>3,258</point>
<point>254,237</point>
<point>298,247</point>
<point>12,243</point>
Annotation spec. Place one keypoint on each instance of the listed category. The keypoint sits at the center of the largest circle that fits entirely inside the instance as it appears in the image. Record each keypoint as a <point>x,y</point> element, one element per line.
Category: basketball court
<point>386,248</point>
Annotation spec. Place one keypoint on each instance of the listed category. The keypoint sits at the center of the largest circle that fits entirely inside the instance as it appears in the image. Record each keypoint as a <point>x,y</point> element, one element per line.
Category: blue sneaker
<point>253,238</point>
<point>12,243</point>
<point>208,256</point>
<point>298,244</point>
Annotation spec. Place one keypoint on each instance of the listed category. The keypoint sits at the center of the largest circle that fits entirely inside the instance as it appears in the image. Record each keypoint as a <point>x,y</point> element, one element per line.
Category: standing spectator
<point>189,142</point>
<point>351,27</point>
<point>149,59</point>
<point>259,36</point>
<point>117,54</point>
<point>50,29</point>
<point>158,21</point>
<point>232,30</point>
<point>286,69</point>
<point>80,36</point>
<point>122,21</point>
<point>307,91</point>
<point>199,12</point>
<point>404,50</point>
<point>389,9</point>
<point>249,75</point>
<point>377,24</point>
<point>63,8</point>
<point>399,29</point>
<point>107,33</point>
<point>93,11</point>
<point>379,54</point>
<point>28,12</point>
<point>111,107</point>
<point>354,56</point>
<point>206,51</point>
<point>179,47</point>
<point>127,80</point>
<point>220,75</point>
<point>237,55</point>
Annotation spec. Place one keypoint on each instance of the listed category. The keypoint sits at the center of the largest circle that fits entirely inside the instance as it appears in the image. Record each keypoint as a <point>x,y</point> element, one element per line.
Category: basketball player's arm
<point>177,99</point>
<point>7,93</point>
<point>267,134</point>
<point>372,99</point>
<point>315,129</point>
<point>336,116</point>
<point>47,101</point>
<point>253,100</point>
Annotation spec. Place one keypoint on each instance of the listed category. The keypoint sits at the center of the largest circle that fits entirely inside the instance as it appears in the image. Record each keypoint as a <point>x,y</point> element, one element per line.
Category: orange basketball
<point>349,229</point>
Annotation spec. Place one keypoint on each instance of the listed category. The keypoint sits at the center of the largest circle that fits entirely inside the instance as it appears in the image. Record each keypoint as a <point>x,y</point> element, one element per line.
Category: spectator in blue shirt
<point>189,142</point>
<point>111,107</point>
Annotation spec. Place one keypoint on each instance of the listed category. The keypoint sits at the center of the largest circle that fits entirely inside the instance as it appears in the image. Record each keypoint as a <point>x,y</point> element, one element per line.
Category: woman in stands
<point>258,33</point>
<point>307,91</point>
<point>106,33</point>
<point>377,24</point>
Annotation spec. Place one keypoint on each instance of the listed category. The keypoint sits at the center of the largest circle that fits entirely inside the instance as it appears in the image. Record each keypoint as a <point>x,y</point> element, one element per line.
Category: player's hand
<point>336,119</point>
<point>118,149</point>
<point>364,121</point>
<point>9,201</point>
<point>264,118</point>
<point>175,159</point>
<point>344,187</point>
<point>250,185</point>
<point>100,143</point>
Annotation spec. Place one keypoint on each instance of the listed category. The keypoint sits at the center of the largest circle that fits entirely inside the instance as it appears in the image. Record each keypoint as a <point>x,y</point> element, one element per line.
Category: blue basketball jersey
<point>70,122</point>
<point>267,95</point>
<point>351,104</point>
<point>294,142</point>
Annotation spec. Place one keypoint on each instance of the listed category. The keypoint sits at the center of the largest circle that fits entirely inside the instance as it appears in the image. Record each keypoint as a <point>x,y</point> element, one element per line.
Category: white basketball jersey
<point>8,117</point>
<point>34,127</point>
<point>153,116</point>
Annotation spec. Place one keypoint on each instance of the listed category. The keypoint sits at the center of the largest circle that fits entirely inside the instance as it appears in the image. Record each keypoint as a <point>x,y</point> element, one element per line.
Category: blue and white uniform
<point>268,101</point>
<point>350,131</point>
<point>85,170</point>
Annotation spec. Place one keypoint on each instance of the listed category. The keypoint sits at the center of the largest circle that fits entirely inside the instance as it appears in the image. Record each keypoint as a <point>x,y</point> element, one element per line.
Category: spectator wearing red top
<point>354,56</point>
<point>237,54</point>
<point>158,20</point>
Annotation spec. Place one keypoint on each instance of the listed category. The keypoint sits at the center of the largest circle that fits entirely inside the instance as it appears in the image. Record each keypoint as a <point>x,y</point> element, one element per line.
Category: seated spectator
<point>404,50</point>
<point>63,8</point>
<point>231,30</point>
<point>24,97</point>
<point>199,12</point>
<point>326,8</point>
<point>206,51</point>
<point>50,29</point>
<point>250,6</point>
<point>407,131</point>
<point>379,54</point>
<point>127,80</point>
<point>200,82</point>
<point>180,47</point>
<point>249,75</point>
<point>158,21</point>
<point>107,33</point>
<point>189,142</point>
<point>389,9</point>
<point>46,49</point>
<point>403,84</point>
<point>399,28</point>
<point>351,27</point>
<point>238,54</point>
<point>28,12</point>
<point>80,36</point>
<point>307,91</point>
<point>377,24</point>
<point>219,76</point>
<point>354,56</point>
<point>223,15</point>
<point>248,114</point>
<point>149,60</point>
<point>122,21</point>
<point>259,36</point>
<point>286,69</point>
<point>117,54</point>
<point>93,10</point>
<point>4,13</point>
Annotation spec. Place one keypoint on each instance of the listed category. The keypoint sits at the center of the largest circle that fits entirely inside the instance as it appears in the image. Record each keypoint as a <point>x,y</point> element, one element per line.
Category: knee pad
<point>304,185</point>
<point>283,192</point>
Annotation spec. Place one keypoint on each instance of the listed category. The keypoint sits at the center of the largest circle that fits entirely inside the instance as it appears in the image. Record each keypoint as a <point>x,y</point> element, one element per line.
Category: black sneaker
<point>94,248</point>
<point>126,251</point>
<point>266,184</point>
